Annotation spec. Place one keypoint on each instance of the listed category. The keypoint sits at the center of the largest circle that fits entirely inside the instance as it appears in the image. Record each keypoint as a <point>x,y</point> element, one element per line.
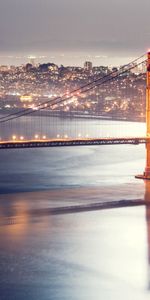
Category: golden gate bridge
<point>26,129</point>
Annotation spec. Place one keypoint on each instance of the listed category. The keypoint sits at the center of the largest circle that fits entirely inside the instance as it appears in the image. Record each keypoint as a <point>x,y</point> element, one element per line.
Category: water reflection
<point>81,255</point>
<point>55,127</point>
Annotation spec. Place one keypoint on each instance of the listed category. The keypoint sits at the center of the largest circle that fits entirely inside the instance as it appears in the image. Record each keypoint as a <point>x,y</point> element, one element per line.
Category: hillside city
<point>27,86</point>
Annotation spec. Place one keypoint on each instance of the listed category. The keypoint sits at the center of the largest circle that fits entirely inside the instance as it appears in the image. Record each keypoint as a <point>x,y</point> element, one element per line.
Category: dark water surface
<point>94,255</point>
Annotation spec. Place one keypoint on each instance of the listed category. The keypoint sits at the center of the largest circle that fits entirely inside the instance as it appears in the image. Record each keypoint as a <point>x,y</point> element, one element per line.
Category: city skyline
<point>66,59</point>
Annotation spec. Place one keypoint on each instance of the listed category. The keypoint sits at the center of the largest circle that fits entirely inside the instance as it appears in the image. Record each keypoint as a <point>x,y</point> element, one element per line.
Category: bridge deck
<point>72,142</point>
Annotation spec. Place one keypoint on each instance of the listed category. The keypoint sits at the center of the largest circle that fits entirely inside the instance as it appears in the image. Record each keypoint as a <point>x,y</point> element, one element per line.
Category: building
<point>88,66</point>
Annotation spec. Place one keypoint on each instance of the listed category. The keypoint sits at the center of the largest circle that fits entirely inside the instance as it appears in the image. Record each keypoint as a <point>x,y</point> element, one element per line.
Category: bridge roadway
<point>72,142</point>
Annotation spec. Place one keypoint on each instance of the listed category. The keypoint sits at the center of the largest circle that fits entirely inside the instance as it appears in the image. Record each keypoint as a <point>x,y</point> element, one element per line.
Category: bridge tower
<point>147,169</point>
<point>146,174</point>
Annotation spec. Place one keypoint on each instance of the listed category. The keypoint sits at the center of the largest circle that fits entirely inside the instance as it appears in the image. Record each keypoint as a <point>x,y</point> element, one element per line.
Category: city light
<point>14,137</point>
<point>36,136</point>
<point>74,134</point>
<point>22,89</point>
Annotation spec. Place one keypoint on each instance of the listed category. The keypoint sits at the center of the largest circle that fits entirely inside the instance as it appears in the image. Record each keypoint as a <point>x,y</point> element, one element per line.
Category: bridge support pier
<point>146,174</point>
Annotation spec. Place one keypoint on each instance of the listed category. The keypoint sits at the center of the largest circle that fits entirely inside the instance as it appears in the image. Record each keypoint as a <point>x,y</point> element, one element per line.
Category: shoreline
<point>73,115</point>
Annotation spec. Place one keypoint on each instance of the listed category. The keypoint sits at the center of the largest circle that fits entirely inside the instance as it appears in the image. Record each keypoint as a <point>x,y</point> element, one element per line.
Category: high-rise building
<point>88,66</point>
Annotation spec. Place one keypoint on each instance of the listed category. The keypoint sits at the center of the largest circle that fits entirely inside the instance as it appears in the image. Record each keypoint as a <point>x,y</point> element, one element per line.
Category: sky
<point>72,31</point>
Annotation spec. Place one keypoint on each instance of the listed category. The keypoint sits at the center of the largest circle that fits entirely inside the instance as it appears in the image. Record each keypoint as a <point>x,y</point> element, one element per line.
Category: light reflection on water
<point>53,127</point>
<point>88,255</point>
<point>76,256</point>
